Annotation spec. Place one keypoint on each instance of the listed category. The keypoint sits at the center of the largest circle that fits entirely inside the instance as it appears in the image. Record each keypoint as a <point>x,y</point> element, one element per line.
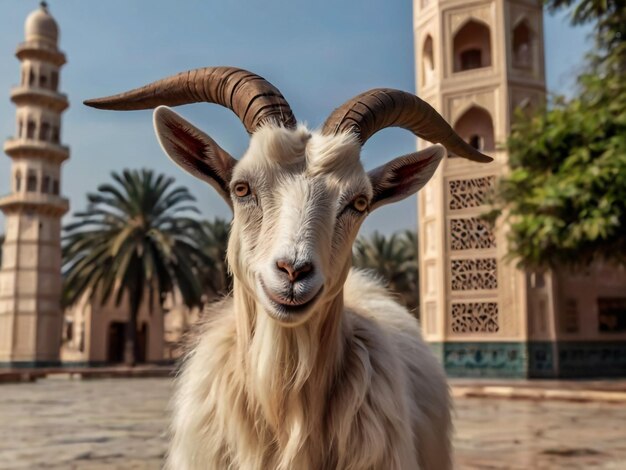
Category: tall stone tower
<point>30,278</point>
<point>477,62</point>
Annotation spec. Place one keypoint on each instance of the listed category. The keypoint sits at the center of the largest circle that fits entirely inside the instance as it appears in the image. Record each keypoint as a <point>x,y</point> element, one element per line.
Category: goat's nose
<point>294,272</point>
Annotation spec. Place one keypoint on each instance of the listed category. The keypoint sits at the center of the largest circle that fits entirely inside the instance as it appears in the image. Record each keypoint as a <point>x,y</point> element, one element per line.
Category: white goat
<point>308,365</point>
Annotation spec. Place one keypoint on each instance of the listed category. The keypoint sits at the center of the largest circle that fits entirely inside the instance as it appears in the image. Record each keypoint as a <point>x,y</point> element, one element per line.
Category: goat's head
<point>298,197</point>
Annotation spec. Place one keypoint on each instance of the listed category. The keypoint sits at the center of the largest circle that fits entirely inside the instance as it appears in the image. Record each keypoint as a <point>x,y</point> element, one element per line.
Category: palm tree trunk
<point>130,343</point>
<point>134,297</point>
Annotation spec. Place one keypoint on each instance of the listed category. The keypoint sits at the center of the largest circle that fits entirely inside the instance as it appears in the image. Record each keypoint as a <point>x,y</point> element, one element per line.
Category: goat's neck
<point>287,365</point>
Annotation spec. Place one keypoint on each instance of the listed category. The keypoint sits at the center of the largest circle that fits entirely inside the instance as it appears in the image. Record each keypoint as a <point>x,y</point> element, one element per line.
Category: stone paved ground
<point>120,424</point>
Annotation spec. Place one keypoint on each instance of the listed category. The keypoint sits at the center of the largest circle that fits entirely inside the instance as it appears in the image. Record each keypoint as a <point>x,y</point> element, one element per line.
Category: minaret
<point>476,63</point>
<point>30,278</point>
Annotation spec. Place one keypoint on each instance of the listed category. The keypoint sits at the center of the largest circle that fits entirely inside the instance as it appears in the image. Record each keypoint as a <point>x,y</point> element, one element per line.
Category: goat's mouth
<point>290,306</point>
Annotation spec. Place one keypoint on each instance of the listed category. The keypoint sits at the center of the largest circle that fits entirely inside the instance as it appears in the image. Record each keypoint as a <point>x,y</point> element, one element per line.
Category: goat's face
<point>299,199</point>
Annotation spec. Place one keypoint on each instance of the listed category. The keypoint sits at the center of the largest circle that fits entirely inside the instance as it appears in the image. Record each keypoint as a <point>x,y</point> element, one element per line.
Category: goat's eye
<point>360,204</point>
<point>242,189</point>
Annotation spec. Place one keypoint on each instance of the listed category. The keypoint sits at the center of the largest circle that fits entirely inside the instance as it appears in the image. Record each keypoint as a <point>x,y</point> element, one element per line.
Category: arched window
<point>55,187</point>
<point>428,61</point>
<point>472,47</point>
<point>45,184</point>
<point>20,127</point>
<point>477,141</point>
<point>31,77</point>
<point>30,129</point>
<point>522,46</point>
<point>18,181</point>
<point>44,131</point>
<point>55,134</point>
<point>471,59</point>
<point>31,181</point>
<point>43,80</point>
<point>475,126</point>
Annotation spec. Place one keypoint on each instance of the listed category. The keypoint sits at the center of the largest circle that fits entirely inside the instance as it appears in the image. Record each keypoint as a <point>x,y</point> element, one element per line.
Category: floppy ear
<point>194,151</point>
<point>404,175</point>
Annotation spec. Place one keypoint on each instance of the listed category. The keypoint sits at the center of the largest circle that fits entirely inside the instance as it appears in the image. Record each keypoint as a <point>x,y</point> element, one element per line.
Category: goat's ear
<point>194,151</point>
<point>404,175</point>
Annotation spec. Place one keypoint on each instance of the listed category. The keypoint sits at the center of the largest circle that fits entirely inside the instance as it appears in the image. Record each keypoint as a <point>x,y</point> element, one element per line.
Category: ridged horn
<point>252,98</point>
<point>376,109</point>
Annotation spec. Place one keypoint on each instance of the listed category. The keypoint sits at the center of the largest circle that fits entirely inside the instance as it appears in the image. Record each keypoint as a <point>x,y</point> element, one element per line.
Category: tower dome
<point>40,25</point>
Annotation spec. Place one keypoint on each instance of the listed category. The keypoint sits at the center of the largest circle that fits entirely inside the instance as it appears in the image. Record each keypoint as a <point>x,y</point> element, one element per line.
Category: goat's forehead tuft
<point>279,144</point>
<point>335,153</point>
<point>301,150</point>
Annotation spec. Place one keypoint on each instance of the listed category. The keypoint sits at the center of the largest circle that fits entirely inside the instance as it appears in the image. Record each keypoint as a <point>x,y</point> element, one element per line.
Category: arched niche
<point>31,181</point>
<point>522,46</point>
<point>44,131</point>
<point>18,181</point>
<point>475,126</point>
<point>472,47</point>
<point>428,61</point>
<point>56,134</point>
<point>30,129</point>
<point>45,184</point>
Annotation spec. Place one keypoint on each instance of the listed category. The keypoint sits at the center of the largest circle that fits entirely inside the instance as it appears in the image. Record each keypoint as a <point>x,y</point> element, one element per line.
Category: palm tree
<point>134,239</point>
<point>213,241</point>
<point>394,259</point>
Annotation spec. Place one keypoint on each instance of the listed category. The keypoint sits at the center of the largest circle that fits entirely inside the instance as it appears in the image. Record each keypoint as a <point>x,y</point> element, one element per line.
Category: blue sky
<point>318,53</point>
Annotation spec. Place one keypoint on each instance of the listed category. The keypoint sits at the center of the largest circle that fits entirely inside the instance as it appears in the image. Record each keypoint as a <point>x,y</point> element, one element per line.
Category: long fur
<point>348,385</point>
<point>355,389</point>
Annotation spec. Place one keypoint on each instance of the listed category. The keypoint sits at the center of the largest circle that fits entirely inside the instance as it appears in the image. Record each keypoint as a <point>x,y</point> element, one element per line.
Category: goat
<point>308,365</point>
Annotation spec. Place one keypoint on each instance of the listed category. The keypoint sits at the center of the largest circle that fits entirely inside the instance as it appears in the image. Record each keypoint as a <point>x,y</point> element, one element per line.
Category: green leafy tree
<point>213,241</point>
<point>609,17</point>
<point>133,242</point>
<point>394,259</point>
<point>566,194</point>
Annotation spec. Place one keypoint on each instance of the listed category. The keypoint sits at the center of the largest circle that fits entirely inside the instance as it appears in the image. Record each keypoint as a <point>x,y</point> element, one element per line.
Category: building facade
<point>30,278</point>
<point>94,334</point>
<point>477,63</point>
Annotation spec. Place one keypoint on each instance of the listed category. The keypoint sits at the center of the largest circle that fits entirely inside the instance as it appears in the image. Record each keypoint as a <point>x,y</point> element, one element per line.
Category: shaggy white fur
<point>373,396</point>
<point>316,370</point>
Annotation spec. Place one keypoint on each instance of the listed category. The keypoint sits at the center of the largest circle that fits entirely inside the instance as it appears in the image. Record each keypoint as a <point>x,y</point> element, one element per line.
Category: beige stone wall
<point>178,320</point>
<point>579,300</point>
<point>91,323</point>
<point>30,287</point>
<point>469,292</point>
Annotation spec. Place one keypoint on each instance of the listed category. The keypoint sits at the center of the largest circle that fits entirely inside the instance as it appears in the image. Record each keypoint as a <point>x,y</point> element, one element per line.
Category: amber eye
<point>360,204</point>
<point>242,189</point>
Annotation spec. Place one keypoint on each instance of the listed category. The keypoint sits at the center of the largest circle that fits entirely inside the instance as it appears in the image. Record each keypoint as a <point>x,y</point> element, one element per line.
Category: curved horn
<point>252,98</point>
<point>374,110</point>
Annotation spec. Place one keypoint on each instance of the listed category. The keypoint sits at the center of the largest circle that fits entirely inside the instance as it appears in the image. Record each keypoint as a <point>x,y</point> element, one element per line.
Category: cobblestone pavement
<point>120,424</point>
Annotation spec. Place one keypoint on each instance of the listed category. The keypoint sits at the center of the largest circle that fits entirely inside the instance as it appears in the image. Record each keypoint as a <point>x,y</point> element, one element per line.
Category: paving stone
<point>122,424</point>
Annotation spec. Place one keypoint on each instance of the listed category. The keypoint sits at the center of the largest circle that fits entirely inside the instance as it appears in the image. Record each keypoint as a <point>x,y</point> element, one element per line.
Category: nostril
<point>286,268</point>
<point>294,273</point>
<point>304,271</point>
